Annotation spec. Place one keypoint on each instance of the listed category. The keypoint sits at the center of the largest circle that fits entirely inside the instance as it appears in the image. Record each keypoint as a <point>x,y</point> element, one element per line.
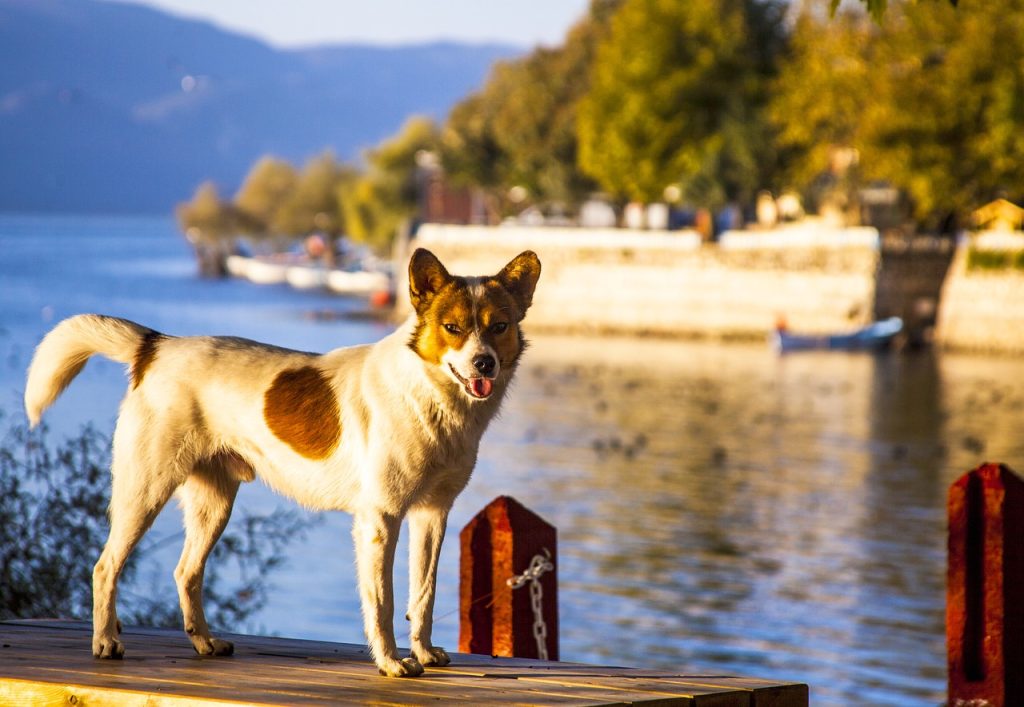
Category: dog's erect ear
<point>426,278</point>
<point>520,276</point>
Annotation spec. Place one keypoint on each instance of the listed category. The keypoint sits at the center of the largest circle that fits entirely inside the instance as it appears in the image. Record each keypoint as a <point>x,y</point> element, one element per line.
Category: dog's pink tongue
<point>481,387</point>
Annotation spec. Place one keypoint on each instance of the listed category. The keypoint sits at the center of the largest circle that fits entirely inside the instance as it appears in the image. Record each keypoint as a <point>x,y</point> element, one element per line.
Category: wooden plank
<point>764,693</point>
<point>42,694</point>
<point>49,662</point>
<point>303,681</point>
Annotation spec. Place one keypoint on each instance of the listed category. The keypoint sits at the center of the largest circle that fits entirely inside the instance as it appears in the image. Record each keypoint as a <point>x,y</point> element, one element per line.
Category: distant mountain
<point>110,107</point>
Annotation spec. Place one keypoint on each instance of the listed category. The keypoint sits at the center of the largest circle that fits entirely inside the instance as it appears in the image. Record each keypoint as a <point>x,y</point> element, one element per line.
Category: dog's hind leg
<point>138,494</point>
<point>206,500</point>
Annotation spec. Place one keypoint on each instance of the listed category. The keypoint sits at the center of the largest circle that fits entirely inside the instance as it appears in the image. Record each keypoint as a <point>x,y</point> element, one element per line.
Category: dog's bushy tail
<point>63,352</point>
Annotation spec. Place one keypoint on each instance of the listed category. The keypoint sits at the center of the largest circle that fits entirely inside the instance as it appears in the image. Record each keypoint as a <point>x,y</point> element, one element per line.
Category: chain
<point>538,566</point>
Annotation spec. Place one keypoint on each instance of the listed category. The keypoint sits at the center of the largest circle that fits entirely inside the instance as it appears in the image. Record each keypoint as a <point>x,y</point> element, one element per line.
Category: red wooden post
<point>500,543</point>
<point>985,589</point>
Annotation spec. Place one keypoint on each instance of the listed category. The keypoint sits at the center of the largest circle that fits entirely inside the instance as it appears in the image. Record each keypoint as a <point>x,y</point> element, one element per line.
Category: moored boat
<point>307,277</point>
<point>358,282</point>
<point>266,272</point>
<point>873,337</point>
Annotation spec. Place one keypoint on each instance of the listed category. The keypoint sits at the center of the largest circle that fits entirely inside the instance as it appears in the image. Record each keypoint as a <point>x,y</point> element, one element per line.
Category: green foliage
<point>520,128</point>
<point>268,185</point>
<point>721,98</point>
<point>376,203</point>
<point>52,508</point>
<point>311,205</point>
<point>53,502</point>
<point>675,98</point>
<point>986,259</point>
<point>325,197</point>
<point>821,91</point>
<point>932,99</point>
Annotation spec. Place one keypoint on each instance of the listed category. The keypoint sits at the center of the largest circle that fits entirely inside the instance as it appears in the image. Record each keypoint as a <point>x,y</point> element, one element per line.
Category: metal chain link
<point>538,566</point>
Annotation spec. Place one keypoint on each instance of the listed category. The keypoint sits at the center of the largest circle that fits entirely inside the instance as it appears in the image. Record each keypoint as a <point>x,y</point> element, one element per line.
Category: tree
<point>209,224</point>
<point>312,205</point>
<point>932,99</point>
<point>676,97</point>
<point>946,122</point>
<point>267,185</point>
<point>822,88</point>
<point>376,203</point>
<point>207,218</point>
<point>520,128</point>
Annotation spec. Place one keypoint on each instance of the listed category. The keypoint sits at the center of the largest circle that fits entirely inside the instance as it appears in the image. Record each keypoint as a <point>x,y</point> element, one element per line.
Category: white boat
<point>307,277</point>
<point>357,282</point>
<point>237,265</point>
<point>273,270</point>
<point>266,272</point>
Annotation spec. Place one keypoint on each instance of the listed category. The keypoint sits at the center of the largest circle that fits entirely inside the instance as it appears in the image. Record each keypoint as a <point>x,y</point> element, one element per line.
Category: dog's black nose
<point>484,363</point>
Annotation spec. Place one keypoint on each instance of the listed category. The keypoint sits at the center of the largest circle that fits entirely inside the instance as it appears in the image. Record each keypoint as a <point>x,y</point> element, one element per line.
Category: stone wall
<point>982,308</point>
<point>643,282</point>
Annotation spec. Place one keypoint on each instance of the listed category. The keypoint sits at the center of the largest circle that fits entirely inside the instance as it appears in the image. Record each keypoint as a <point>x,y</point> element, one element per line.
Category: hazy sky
<point>292,23</point>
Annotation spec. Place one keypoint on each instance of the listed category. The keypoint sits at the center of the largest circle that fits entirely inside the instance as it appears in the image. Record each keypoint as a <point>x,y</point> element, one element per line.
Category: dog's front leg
<point>426,532</point>
<point>376,535</point>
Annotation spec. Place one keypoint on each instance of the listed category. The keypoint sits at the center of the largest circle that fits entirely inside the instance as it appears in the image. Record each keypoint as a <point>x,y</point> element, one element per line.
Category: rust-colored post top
<point>494,618</point>
<point>985,589</point>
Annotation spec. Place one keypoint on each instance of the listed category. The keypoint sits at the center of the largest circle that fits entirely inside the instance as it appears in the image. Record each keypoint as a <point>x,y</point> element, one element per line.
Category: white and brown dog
<point>384,431</point>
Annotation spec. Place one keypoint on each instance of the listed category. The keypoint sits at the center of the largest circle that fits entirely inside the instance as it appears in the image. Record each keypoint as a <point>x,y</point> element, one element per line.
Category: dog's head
<point>469,326</point>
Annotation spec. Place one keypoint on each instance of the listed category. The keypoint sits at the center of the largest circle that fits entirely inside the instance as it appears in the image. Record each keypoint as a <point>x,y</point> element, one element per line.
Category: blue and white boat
<point>876,336</point>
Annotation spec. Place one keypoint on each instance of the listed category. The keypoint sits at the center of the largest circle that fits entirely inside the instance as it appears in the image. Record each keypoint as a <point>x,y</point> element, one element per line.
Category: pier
<point>50,662</point>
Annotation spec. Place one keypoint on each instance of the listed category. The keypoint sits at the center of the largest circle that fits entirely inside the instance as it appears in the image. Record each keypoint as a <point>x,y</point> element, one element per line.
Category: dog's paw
<point>431,656</point>
<point>405,668</point>
<point>108,648</point>
<point>212,646</point>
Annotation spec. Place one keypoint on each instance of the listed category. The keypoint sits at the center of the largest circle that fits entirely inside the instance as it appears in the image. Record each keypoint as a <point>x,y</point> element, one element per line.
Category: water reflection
<point>724,510</point>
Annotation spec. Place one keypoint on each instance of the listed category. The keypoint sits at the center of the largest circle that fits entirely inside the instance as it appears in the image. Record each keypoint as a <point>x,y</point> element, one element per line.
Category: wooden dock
<point>46,662</point>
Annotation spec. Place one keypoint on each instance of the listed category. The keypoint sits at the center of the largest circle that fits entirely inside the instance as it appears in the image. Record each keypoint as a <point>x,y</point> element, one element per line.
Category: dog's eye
<point>452,328</point>
<point>499,327</point>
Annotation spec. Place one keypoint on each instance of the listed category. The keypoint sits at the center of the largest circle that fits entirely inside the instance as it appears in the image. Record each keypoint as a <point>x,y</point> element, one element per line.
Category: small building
<point>999,215</point>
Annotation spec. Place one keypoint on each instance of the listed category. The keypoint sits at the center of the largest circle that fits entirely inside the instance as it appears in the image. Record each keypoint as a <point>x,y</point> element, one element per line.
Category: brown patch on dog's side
<point>144,355</point>
<point>301,409</point>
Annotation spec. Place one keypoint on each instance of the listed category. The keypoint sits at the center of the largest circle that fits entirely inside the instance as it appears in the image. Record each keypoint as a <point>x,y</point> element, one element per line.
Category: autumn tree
<point>819,96</point>
<point>312,205</point>
<point>267,186</point>
<point>520,128</point>
<point>932,98</point>
<point>210,224</point>
<point>676,97</point>
<point>207,217</point>
<point>375,203</point>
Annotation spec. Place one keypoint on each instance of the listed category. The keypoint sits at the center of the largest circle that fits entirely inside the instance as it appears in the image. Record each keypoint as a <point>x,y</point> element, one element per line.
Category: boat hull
<point>877,336</point>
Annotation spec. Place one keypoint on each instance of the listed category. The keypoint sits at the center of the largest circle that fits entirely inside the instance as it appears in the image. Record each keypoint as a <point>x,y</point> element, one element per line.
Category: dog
<point>386,431</point>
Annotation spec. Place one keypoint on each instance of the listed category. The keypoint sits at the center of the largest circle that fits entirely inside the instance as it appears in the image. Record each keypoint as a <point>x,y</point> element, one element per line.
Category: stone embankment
<point>815,278</point>
<point>982,304</point>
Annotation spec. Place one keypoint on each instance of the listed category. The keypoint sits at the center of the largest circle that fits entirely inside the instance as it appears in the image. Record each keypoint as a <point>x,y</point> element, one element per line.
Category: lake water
<point>720,509</point>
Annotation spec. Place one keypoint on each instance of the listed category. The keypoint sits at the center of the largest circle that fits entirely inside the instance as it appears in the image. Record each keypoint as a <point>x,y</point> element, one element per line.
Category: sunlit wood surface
<point>47,662</point>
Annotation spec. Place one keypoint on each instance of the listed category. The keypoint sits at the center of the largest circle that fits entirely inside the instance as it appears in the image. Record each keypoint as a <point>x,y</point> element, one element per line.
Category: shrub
<point>53,503</point>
